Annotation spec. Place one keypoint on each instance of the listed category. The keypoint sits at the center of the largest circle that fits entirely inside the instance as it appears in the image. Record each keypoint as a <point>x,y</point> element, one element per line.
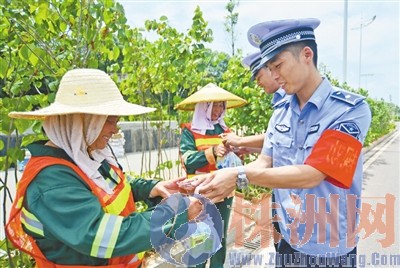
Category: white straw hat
<point>211,93</point>
<point>86,91</point>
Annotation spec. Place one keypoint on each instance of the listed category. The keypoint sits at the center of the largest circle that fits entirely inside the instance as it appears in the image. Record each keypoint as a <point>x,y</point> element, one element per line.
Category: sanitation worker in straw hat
<point>201,147</point>
<point>74,206</point>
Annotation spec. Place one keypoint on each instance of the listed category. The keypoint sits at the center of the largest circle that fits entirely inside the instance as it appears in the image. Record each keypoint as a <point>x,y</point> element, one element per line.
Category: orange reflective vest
<point>111,203</point>
<point>204,142</point>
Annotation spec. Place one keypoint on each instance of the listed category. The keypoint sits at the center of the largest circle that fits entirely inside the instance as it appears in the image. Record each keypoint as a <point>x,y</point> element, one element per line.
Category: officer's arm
<point>263,161</point>
<point>254,141</point>
<point>295,176</point>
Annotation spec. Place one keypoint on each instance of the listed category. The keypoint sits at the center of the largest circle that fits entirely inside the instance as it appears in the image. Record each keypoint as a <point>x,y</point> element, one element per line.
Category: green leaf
<point>28,139</point>
<point>116,52</point>
<point>93,63</point>
<point>33,59</point>
<point>15,154</point>
<point>22,125</point>
<point>107,17</point>
<point>63,26</point>
<point>3,162</point>
<point>110,55</point>
<point>24,52</point>
<point>3,68</point>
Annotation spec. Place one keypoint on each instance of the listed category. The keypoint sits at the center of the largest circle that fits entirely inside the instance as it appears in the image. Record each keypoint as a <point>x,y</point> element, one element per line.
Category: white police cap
<point>271,36</point>
<point>252,61</point>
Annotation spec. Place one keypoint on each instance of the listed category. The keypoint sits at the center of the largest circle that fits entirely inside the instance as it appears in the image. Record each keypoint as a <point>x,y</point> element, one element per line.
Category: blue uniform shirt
<point>289,139</point>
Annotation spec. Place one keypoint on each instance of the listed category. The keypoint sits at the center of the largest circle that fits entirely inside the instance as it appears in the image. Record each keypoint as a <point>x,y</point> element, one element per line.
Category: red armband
<point>336,154</point>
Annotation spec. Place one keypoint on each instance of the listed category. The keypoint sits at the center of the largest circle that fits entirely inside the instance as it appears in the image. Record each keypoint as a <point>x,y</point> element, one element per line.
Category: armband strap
<point>210,155</point>
<point>336,155</point>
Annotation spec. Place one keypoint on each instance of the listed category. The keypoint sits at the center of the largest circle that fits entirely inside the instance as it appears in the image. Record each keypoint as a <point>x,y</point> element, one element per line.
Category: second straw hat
<point>211,93</point>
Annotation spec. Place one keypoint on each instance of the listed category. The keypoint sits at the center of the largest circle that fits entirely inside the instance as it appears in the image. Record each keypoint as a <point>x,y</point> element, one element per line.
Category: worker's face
<point>109,128</point>
<point>217,109</point>
<point>265,80</point>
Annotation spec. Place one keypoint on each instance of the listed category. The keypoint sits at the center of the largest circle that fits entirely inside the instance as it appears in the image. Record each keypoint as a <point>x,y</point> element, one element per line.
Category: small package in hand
<point>229,160</point>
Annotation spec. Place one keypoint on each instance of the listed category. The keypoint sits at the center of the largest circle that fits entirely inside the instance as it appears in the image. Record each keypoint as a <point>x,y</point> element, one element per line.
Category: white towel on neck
<point>74,133</point>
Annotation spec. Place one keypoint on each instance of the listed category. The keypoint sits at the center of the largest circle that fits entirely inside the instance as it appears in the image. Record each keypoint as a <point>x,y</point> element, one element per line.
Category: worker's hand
<point>188,186</point>
<point>220,150</point>
<point>166,188</point>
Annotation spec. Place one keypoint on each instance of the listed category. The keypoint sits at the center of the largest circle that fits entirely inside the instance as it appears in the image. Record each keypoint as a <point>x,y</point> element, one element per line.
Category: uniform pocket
<point>281,143</point>
<point>310,142</point>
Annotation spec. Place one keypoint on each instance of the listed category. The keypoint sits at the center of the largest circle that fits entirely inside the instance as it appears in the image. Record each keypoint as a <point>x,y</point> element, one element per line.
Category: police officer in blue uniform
<point>260,73</point>
<point>311,154</point>
<point>264,79</point>
<point>263,76</point>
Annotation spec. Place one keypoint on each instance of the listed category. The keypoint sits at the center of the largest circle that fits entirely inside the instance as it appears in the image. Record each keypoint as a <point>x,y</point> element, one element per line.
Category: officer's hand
<point>231,139</point>
<point>218,185</point>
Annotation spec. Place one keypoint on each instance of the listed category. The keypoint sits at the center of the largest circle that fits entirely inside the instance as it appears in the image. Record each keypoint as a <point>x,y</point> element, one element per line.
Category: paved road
<point>381,183</point>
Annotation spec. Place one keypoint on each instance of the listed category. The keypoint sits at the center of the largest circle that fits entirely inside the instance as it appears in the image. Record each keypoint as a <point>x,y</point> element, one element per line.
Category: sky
<point>378,51</point>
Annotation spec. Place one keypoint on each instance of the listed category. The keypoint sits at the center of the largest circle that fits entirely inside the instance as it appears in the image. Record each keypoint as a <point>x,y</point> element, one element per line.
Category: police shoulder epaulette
<point>348,97</point>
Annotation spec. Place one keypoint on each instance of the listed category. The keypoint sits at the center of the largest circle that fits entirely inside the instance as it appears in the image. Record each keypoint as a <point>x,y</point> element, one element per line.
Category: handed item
<point>229,160</point>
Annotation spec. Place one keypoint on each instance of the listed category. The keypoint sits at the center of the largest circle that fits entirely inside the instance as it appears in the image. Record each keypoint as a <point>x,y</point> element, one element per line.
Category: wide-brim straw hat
<point>211,93</point>
<point>86,91</point>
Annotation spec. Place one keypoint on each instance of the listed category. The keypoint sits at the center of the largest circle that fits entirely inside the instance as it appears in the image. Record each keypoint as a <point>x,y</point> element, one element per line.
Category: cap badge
<point>256,38</point>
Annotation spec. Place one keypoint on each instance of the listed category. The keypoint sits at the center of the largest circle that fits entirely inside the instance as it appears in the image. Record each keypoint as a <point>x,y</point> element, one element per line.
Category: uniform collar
<point>39,148</point>
<point>319,96</point>
<point>278,95</point>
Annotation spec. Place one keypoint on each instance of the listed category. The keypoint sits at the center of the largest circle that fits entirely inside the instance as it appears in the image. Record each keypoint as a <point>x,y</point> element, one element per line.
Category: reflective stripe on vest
<point>118,202</point>
<point>106,236</point>
<point>31,222</point>
<point>205,142</point>
<point>108,230</point>
<point>115,179</point>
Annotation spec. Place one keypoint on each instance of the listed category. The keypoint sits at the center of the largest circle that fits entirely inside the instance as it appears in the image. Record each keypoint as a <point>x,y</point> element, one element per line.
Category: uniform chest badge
<point>313,129</point>
<point>282,128</point>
